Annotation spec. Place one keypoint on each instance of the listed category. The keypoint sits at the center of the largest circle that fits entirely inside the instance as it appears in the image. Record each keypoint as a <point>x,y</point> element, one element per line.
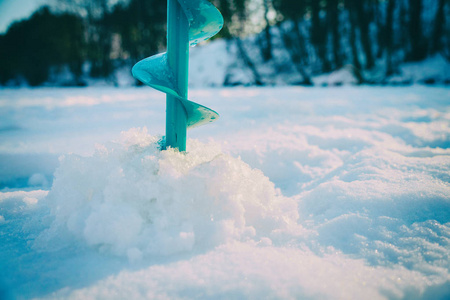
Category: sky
<point>13,10</point>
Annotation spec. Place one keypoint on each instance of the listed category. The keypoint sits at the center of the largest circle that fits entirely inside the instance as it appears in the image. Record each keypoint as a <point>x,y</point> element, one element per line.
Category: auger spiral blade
<point>188,23</point>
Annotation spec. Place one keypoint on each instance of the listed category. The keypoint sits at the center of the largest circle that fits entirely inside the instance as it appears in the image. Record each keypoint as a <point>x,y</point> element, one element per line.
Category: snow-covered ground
<point>218,63</point>
<point>294,193</point>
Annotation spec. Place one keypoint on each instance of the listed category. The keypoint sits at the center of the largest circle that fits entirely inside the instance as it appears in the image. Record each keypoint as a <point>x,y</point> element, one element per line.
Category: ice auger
<point>188,23</point>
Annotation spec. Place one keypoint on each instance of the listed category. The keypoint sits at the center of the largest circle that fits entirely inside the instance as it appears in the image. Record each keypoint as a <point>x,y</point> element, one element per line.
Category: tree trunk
<point>389,36</point>
<point>352,38</point>
<point>301,45</point>
<point>296,51</point>
<point>248,62</point>
<point>267,45</point>
<point>319,35</point>
<point>363,21</point>
<point>333,27</point>
<point>439,21</point>
<point>418,47</point>
<point>381,29</point>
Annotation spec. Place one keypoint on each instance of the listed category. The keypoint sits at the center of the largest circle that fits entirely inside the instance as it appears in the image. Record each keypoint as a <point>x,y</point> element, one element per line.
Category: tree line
<point>91,37</point>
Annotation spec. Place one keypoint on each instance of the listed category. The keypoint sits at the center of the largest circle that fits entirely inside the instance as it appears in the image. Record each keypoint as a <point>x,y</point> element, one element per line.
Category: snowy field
<point>294,193</point>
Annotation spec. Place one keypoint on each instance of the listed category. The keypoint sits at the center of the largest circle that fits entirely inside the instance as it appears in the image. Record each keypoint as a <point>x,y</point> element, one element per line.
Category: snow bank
<point>132,199</point>
<point>433,70</point>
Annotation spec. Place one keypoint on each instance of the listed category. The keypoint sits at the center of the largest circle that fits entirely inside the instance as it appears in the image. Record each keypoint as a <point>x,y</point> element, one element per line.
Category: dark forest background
<point>92,38</point>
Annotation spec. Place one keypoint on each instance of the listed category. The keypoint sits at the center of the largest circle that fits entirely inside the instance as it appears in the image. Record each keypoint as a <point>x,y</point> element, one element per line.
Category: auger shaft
<point>188,23</point>
<point>178,60</point>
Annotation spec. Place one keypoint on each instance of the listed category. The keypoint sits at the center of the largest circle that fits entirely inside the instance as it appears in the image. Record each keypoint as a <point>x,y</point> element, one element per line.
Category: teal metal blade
<point>189,22</point>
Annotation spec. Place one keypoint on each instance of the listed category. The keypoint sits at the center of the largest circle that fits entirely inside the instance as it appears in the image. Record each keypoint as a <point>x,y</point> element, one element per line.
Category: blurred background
<point>263,42</point>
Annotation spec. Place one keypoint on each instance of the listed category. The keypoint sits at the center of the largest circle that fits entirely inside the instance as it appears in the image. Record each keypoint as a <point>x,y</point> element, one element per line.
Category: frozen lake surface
<point>316,193</point>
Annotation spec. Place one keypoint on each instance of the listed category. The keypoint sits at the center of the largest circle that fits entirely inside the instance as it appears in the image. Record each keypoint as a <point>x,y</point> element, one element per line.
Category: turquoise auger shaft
<point>188,23</point>
<point>178,60</point>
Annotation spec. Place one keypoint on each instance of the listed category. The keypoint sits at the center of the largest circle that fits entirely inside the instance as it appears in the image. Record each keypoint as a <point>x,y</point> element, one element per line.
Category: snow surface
<point>315,193</point>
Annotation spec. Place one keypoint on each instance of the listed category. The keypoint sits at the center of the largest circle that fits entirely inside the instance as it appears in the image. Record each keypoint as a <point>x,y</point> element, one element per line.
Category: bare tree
<point>319,34</point>
<point>267,44</point>
<point>438,28</point>
<point>417,49</point>
<point>333,28</point>
<point>389,31</point>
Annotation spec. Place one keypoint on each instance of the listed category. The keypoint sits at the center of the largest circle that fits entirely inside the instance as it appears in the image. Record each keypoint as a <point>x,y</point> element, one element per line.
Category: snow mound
<point>433,70</point>
<point>132,199</point>
<point>348,75</point>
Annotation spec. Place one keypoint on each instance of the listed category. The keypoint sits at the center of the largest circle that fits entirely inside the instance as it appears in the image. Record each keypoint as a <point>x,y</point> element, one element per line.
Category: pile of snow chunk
<point>130,198</point>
